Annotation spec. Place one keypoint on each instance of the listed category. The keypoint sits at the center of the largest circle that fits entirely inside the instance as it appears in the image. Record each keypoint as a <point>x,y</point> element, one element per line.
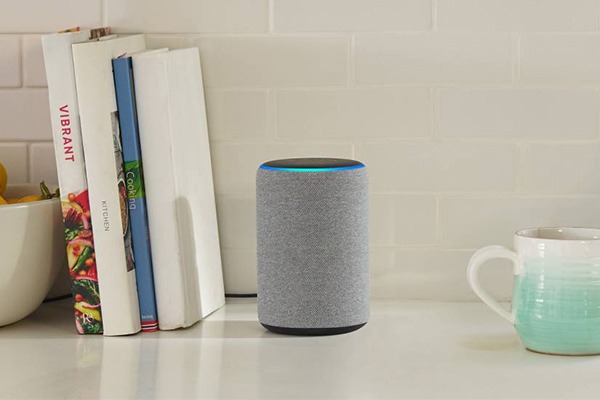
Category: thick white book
<point>70,163</point>
<point>107,189</point>
<point>179,186</point>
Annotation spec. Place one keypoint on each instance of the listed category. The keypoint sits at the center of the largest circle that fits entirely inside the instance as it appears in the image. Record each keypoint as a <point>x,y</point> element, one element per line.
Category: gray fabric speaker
<point>313,246</point>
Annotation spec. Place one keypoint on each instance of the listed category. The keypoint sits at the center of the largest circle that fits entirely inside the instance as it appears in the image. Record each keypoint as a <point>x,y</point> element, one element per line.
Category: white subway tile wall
<point>519,113</point>
<point>354,113</point>
<point>440,167</point>
<point>273,61</point>
<point>238,114</point>
<point>24,115</point>
<point>576,166</point>
<point>560,59</point>
<point>351,15</point>
<point>425,274</point>
<point>10,61</point>
<point>518,15</point>
<point>15,158</point>
<point>181,16</point>
<point>432,58</point>
<point>42,164</point>
<point>474,117</point>
<point>403,220</point>
<point>38,16</point>
<point>34,74</point>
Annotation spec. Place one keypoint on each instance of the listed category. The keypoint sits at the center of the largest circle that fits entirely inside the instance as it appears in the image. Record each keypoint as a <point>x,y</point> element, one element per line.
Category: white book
<point>70,163</point>
<point>179,186</point>
<point>104,168</point>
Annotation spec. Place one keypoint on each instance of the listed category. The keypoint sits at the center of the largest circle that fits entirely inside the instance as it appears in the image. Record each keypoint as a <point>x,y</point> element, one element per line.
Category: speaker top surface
<point>311,164</point>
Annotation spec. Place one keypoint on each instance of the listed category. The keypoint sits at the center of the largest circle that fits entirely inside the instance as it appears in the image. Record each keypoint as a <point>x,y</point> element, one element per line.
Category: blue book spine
<point>134,179</point>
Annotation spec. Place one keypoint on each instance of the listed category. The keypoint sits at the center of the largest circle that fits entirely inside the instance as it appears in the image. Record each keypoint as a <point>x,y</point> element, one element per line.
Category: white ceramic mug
<point>556,294</point>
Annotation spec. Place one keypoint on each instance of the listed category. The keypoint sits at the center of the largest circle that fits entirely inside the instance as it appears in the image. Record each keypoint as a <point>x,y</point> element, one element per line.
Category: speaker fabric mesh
<point>312,235</point>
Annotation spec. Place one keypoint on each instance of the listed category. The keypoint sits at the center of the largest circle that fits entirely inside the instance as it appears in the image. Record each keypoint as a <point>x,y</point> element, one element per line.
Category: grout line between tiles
<point>520,170</point>
<point>272,115</point>
<point>439,226</point>
<point>12,142</point>
<point>569,87</point>
<point>516,56</point>
<point>597,14</point>
<point>455,195</point>
<point>435,113</point>
<point>351,69</point>
<point>103,12</point>
<point>271,16</point>
<point>356,147</point>
<point>29,163</point>
<point>412,247</point>
<point>487,195</point>
<point>434,16</point>
<point>598,115</point>
<point>21,62</point>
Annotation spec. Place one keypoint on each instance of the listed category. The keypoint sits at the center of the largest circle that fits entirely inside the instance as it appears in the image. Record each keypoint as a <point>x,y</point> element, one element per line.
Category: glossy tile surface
<point>407,351</point>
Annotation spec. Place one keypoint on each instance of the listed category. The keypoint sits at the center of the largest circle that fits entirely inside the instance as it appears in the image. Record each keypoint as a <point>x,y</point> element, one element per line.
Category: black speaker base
<point>313,331</point>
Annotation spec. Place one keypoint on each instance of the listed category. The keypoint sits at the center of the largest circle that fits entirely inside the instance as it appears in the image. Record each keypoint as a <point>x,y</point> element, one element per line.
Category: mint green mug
<point>556,292</point>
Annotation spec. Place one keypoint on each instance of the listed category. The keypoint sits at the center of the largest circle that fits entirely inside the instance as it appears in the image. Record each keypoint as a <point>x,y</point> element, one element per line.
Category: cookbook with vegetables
<point>134,180</point>
<point>79,235</point>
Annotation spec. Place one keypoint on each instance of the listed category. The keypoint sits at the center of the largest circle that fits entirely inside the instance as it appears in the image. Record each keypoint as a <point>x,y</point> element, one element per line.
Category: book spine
<point>70,163</point>
<point>134,181</point>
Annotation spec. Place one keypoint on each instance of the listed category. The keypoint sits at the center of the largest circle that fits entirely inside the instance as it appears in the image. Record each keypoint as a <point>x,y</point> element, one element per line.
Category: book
<point>188,275</point>
<point>134,181</point>
<point>70,164</point>
<point>106,180</point>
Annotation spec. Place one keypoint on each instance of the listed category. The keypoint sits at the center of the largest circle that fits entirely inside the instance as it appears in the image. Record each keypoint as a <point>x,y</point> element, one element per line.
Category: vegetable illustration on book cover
<point>134,181</point>
<point>81,261</point>
<point>79,235</point>
<point>122,192</point>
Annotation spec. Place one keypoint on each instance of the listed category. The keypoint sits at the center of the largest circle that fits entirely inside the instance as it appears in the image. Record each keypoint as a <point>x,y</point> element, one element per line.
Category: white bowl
<point>32,252</point>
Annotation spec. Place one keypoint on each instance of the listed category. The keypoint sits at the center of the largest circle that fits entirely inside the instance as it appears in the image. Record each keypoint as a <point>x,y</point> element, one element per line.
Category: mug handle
<point>481,256</point>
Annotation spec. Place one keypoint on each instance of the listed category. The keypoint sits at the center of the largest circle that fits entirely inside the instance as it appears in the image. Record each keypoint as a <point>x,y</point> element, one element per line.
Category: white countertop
<point>408,350</point>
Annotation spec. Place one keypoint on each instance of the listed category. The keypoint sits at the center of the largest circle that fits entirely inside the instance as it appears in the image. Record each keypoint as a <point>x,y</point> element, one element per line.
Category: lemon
<point>30,198</point>
<point>3,179</point>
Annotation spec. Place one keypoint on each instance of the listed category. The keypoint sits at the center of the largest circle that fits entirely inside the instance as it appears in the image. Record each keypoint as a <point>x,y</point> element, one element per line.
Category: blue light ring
<point>327,169</point>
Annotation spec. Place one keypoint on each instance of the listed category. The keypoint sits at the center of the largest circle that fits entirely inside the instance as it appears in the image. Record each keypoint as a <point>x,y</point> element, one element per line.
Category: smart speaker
<point>313,246</point>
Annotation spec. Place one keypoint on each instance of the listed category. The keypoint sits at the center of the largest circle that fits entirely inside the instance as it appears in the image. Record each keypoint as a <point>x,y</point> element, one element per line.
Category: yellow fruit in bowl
<point>3,178</point>
<point>29,199</point>
<point>45,192</point>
